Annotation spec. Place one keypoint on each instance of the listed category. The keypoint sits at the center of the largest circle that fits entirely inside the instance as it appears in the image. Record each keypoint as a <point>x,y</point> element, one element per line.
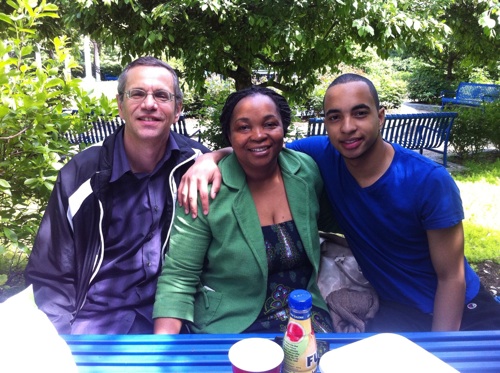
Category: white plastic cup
<point>256,355</point>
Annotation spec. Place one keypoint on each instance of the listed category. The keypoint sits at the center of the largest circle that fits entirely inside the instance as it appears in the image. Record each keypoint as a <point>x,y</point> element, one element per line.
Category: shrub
<point>113,69</point>
<point>475,128</point>
<point>426,83</point>
<point>33,99</point>
<point>468,136</point>
<point>492,121</point>
<point>388,80</point>
<point>110,62</point>
<point>207,108</point>
<point>313,104</point>
<point>391,90</point>
<point>212,102</point>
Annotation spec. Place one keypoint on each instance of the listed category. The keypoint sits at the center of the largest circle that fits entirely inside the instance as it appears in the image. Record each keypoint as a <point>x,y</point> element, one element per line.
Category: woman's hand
<point>167,325</point>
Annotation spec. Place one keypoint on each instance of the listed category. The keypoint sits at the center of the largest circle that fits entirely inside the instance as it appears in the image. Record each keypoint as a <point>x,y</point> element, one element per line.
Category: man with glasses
<point>99,249</point>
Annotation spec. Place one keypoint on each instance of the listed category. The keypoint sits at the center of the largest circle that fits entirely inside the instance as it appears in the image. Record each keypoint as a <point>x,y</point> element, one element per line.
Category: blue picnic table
<point>463,351</point>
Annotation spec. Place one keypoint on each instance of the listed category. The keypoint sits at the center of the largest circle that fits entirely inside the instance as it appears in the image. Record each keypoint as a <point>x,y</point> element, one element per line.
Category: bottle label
<point>299,315</point>
<point>300,348</point>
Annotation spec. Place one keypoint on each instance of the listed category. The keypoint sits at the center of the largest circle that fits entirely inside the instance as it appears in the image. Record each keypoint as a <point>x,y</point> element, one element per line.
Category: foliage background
<point>34,94</point>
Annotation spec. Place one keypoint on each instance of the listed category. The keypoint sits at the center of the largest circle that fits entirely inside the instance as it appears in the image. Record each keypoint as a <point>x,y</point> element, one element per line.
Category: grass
<point>482,168</point>
<point>480,190</point>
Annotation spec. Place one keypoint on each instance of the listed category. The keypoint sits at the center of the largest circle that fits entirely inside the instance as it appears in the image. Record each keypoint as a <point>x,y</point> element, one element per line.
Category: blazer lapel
<point>245,212</point>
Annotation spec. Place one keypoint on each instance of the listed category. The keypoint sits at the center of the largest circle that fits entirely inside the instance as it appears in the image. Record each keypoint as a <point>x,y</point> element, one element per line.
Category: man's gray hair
<point>153,62</point>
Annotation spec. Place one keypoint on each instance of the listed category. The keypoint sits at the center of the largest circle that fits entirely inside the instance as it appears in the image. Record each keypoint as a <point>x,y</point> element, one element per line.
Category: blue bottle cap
<point>300,300</point>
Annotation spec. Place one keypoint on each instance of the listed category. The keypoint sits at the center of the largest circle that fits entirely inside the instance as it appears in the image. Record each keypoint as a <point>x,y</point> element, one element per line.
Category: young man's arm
<point>203,172</point>
<point>447,254</point>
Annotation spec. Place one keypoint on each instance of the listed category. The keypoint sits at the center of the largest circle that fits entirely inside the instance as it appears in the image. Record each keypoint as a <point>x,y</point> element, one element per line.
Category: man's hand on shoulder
<point>203,172</point>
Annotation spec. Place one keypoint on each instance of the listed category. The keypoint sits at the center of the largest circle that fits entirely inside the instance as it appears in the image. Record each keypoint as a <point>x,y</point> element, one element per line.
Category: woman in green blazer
<point>231,271</point>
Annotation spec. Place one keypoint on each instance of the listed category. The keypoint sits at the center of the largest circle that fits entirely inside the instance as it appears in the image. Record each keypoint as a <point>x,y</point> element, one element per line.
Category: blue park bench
<point>471,94</point>
<point>429,131</point>
<point>104,127</point>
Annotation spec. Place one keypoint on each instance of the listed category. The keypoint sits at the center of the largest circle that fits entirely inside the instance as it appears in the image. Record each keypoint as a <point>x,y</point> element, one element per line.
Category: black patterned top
<point>288,269</point>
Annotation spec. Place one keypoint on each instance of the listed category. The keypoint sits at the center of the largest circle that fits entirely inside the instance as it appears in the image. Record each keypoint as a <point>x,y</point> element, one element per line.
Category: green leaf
<point>31,181</point>
<point>4,184</point>
<point>51,7</point>
<point>26,50</point>
<point>490,22</point>
<point>13,4</point>
<point>369,30</point>
<point>6,18</point>
<point>151,38</point>
<point>28,31</point>
<point>51,15</point>
<point>48,185</point>
<point>10,234</point>
<point>54,82</point>
<point>417,25</point>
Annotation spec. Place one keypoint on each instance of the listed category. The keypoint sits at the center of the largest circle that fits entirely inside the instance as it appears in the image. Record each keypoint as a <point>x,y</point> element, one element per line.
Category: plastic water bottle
<point>299,344</point>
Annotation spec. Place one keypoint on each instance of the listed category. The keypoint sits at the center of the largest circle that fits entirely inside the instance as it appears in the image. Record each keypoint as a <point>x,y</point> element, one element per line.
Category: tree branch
<point>16,135</point>
<point>271,62</point>
<point>272,83</point>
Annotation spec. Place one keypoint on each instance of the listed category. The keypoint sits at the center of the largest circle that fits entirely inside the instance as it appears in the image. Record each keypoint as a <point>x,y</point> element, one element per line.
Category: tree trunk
<point>242,78</point>
<point>449,67</point>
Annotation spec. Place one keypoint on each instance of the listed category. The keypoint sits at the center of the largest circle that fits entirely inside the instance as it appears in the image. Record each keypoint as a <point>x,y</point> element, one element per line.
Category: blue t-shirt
<point>385,224</point>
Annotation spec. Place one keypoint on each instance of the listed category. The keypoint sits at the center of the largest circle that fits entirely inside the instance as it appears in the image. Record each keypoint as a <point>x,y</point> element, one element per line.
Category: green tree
<point>34,94</point>
<point>490,17</point>
<point>474,41</point>
<point>233,38</point>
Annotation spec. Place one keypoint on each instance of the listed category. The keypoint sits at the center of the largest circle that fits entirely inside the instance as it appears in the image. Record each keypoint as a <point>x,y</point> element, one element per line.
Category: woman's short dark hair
<point>235,97</point>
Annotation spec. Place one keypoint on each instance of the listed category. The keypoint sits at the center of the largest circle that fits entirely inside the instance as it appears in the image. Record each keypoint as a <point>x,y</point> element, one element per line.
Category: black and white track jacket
<point>69,246</point>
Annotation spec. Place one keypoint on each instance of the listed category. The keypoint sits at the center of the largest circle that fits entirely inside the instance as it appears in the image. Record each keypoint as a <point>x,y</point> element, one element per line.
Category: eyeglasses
<point>140,95</point>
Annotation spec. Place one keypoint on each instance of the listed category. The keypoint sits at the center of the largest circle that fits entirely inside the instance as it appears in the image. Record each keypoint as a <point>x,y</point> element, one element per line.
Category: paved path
<point>410,107</point>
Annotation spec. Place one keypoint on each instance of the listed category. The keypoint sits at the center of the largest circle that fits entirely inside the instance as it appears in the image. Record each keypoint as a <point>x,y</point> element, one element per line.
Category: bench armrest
<point>490,97</point>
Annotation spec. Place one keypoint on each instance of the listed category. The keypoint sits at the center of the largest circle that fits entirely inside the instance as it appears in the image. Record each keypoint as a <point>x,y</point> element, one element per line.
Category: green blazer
<point>215,272</point>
